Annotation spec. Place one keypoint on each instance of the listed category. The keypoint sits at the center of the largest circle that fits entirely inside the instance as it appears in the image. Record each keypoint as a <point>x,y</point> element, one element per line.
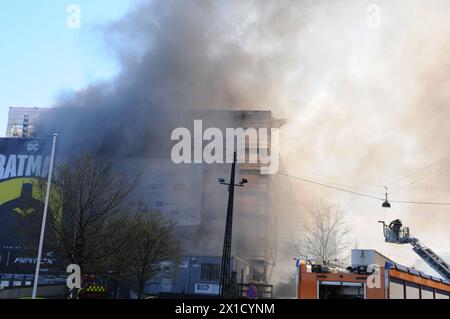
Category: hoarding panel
<point>23,162</point>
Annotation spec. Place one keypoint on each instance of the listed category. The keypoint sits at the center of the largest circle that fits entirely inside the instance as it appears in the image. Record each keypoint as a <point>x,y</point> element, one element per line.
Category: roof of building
<point>416,272</point>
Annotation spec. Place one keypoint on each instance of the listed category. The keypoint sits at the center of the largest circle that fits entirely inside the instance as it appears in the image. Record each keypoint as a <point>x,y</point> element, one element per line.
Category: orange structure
<point>358,282</point>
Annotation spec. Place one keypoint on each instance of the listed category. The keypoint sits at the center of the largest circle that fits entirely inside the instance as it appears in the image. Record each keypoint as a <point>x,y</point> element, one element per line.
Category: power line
<point>330,186</point>
<point>335,181</point>
<point>420,171</point>
<point>437,189</point>
<point>424,176</point>
<point>340,181</point>
<point>362,194</point>
<point>418,203</point>
<point>329,182</point>
<point>406,187</point>
<point>349,183</point>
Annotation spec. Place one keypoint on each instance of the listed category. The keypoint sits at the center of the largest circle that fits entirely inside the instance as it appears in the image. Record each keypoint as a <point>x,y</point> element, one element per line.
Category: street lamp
<point>241,183</point>
<point>386,203</point>
<point>44,218</point>
<point>226,254</point>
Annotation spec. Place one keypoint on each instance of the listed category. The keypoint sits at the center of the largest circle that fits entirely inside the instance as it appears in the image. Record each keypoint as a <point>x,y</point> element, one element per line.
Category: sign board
<point>251,292</point>
<point>23,162</point>
<point>207,289</point>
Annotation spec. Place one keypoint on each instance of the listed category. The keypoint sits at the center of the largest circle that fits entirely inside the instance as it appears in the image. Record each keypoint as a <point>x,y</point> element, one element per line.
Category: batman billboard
<point>24,166</point>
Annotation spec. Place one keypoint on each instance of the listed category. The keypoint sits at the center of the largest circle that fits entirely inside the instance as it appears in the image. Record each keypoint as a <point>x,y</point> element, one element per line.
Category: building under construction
<point>21,121</point>
<point>190,195</point>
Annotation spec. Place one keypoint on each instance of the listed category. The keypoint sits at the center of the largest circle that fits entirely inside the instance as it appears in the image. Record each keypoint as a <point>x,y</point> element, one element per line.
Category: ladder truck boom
<point>431,258</point>
<point>396,234</point>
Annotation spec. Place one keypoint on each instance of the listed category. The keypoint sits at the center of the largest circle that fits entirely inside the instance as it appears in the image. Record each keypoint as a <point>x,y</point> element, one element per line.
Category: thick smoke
<point>174,56</point>
<point>365,104</point>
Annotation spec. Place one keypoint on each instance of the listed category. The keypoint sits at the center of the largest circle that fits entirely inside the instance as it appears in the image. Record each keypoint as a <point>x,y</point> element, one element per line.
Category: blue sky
<point>40,57</point>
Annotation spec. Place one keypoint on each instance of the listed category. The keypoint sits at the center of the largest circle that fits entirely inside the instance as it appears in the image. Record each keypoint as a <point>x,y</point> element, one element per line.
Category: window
<point>210,272</point>
<point>412,291</point>
<point>341,290</point>
<point>396,289</point>
<point>439,294</point>
<point>427,292</point>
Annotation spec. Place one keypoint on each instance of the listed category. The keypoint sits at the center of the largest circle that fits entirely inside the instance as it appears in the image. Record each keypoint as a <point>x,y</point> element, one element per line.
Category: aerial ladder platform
<point>395,233</point>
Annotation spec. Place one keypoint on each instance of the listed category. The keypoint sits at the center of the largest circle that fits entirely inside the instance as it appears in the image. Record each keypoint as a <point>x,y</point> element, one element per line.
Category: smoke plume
<point>366,104</point>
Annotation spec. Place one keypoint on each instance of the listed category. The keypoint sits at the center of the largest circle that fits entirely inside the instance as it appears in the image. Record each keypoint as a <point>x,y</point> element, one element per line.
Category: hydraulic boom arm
<point>431,258</point>
<point>396,234</point>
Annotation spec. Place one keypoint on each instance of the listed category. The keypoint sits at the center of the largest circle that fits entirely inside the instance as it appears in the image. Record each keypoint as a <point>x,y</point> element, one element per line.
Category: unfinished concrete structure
<point>190,195</point>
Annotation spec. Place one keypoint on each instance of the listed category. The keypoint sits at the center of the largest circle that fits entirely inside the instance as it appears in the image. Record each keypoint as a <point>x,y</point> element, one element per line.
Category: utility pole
<point>44,218</point>
<point>225,270</point>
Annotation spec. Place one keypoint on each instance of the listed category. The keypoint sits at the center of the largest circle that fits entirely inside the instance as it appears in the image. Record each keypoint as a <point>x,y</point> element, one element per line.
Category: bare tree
<point>88,192</point>
<point>152,250</point>
<point>324,234</point>
<point>93,225</point>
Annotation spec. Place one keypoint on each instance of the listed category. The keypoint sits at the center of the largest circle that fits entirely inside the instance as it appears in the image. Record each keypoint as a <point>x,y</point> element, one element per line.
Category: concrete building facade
<point>190,195</point>
<point>21,121</point>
